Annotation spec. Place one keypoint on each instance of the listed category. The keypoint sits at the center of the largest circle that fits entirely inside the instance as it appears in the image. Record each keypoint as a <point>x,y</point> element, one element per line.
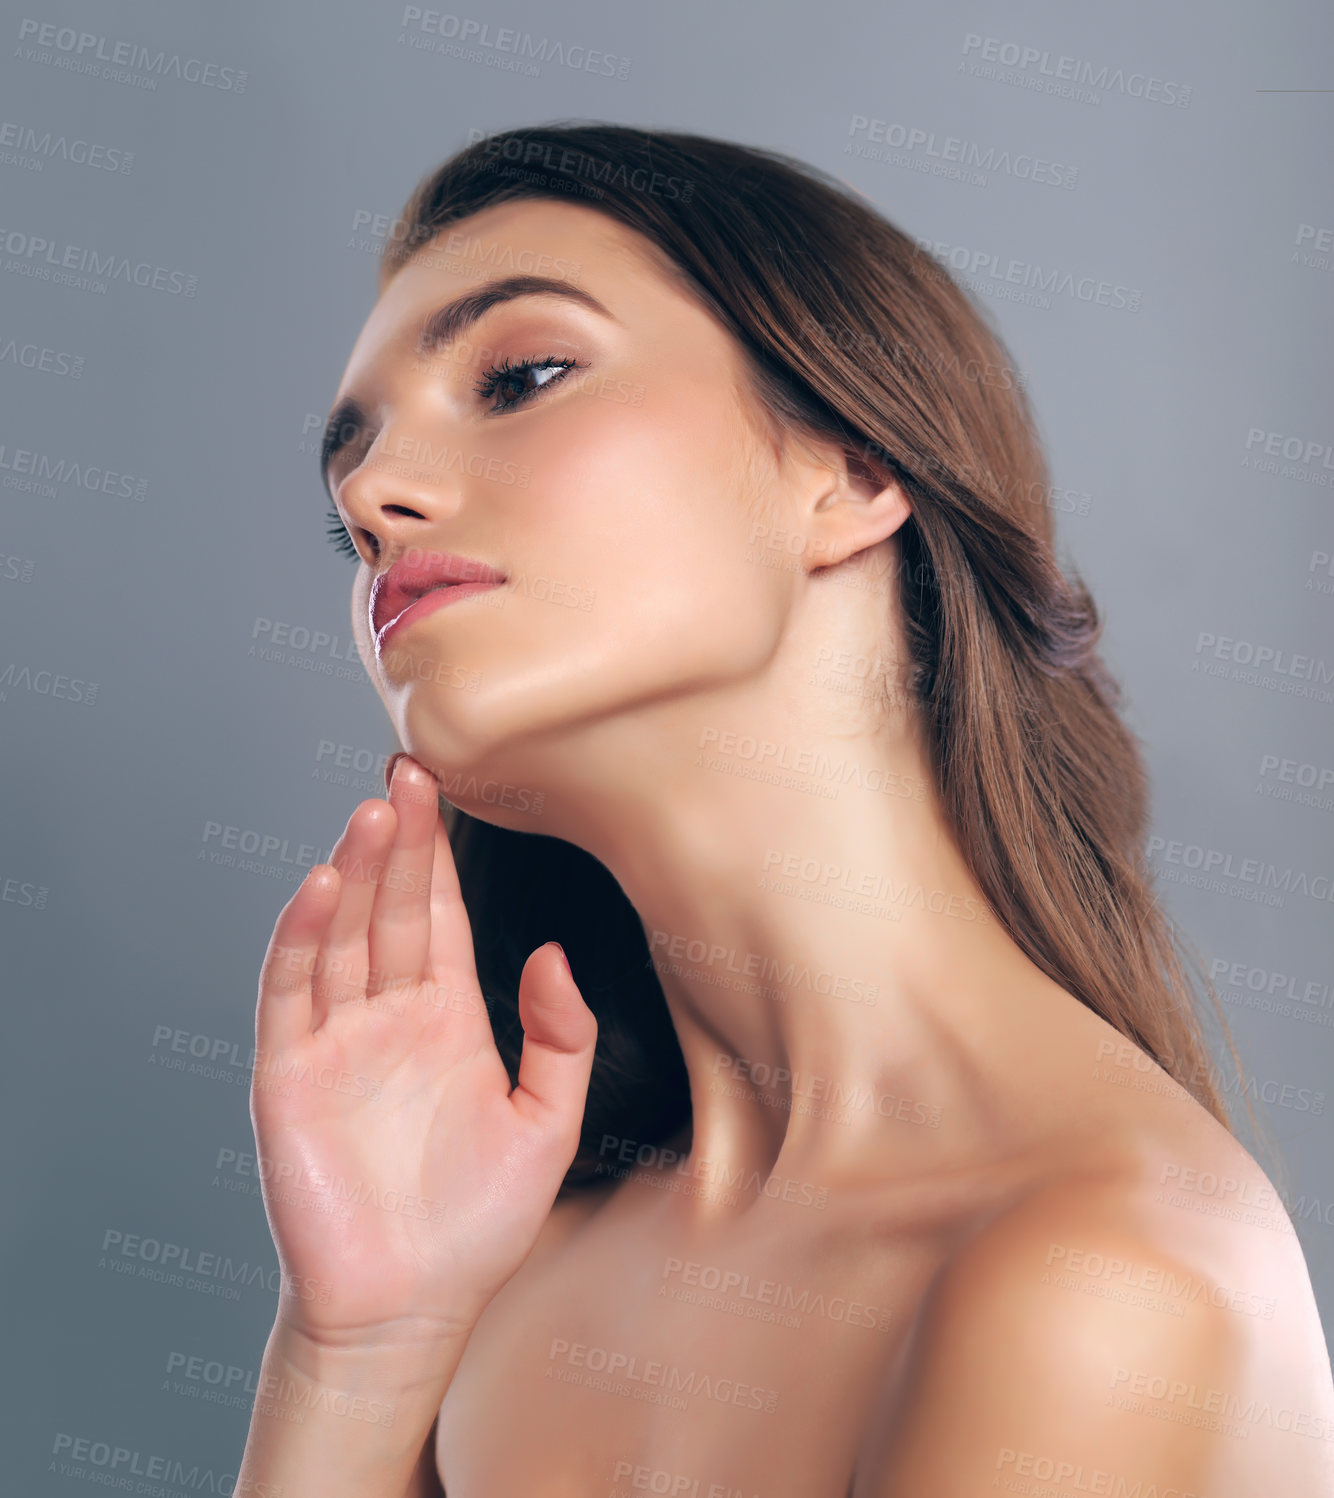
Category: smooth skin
<point>975,1161</point>
<point>378,1083</point>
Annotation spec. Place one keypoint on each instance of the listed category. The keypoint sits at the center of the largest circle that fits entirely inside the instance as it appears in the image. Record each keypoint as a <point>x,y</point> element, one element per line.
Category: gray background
<point>115,922</point>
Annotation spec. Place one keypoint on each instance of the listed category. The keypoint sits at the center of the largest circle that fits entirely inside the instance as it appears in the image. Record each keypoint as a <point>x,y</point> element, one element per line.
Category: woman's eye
<point>518,382</point>
<point>514,383</point>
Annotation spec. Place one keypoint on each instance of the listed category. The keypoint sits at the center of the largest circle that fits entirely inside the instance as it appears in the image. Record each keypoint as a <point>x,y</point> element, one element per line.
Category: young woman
<point>705,568</point>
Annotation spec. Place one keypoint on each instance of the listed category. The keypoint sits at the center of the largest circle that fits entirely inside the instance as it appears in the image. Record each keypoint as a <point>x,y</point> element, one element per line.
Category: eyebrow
<point>441,328</point>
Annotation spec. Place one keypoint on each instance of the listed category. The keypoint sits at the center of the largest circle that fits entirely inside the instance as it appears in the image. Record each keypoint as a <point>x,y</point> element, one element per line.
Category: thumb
<point>559,1036</point>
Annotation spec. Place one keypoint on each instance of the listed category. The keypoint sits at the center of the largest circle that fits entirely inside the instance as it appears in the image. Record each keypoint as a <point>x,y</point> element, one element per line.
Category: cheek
<point>633,493</point>
<point>647,512</point>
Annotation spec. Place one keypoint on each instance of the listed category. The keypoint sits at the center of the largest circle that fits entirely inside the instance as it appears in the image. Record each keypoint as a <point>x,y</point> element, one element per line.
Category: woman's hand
<point>404,1181</point>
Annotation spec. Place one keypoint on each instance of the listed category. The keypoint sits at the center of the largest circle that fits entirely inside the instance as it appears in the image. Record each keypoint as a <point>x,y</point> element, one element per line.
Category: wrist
<point>350,1415</point>
<point>407,1359</point>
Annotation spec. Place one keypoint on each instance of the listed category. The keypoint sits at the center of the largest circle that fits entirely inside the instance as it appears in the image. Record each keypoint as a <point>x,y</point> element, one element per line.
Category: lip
<point>407,592</point>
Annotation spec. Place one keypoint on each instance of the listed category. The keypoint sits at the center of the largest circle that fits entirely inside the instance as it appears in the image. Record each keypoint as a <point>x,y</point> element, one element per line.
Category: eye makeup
<point>496,378</point>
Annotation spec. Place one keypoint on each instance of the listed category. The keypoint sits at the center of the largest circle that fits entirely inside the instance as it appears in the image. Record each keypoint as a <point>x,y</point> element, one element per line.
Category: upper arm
<point>1025,1374</point>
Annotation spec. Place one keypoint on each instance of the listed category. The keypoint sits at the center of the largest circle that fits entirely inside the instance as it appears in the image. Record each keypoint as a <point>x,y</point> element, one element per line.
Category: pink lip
<point>418,583</point>
<point>428,603</point>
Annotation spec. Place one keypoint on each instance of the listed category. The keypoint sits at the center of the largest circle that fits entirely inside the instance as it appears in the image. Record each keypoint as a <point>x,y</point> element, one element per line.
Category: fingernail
<point>563,957</point>
<point>389,768</point>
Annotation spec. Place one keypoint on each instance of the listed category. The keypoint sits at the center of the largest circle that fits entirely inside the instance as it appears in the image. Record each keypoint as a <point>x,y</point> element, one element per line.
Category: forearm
<point>344,1423</point>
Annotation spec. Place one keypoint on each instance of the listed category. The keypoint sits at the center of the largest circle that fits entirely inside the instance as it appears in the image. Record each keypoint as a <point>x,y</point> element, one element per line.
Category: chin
<point>522,814</point>
<point>473,759</point>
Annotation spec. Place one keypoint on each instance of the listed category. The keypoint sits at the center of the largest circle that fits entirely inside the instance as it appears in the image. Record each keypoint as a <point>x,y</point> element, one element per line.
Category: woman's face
<point>619,499</point>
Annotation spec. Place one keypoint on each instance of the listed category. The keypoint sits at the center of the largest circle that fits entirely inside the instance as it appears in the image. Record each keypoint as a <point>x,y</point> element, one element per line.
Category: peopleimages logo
<point>38,357</point>
<point>989,273</point>
<point>466,31</point>
<point>43,147</point>
<point>1321,242</point>
<point>1299,456</point>
<point>83,51</point>
<point>567,161</point>
<point>104,1462</point>
<point>1063,71</point>
<point>1211,865</point>
<point>951,149</point>
<point>24,468</point>
<point>33,255</point>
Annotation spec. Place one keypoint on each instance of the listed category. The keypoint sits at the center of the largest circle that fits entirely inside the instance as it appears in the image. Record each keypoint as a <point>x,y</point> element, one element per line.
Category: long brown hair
<point>851,332</point>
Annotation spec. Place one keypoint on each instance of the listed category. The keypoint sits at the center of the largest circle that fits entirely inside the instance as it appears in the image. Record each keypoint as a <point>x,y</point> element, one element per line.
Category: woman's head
<point>786,389</point>
<point>630,486</point>
<point>773,344</point>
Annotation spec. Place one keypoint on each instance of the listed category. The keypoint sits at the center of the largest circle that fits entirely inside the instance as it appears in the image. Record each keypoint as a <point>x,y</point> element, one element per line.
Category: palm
<point>402,1176</point>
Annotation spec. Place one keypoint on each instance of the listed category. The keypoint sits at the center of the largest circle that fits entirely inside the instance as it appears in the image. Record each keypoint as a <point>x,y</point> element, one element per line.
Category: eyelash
<point>492,378</point>
<point>338,535</point>
<point>495,374</point>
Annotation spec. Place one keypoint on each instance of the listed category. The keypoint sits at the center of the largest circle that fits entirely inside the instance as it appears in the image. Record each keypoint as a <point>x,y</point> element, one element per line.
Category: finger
<point>559,1036</point>
<point>389,768</point>
<point>283,1014</point>
<point>400,921</point>
<point>451,967</point>
<point>344,954</point>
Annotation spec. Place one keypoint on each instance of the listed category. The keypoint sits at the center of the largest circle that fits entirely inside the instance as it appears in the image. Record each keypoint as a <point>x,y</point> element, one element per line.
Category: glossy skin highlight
<point>1041,1144</point>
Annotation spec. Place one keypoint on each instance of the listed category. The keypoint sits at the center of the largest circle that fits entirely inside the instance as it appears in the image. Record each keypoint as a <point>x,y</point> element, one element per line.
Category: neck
<point>840,989</point>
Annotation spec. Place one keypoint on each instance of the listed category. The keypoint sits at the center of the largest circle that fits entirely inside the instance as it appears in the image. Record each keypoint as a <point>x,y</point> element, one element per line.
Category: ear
<point>852,501</point>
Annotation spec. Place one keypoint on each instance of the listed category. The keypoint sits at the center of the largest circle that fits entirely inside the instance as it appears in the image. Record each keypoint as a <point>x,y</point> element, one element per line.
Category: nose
<point>400,492</point>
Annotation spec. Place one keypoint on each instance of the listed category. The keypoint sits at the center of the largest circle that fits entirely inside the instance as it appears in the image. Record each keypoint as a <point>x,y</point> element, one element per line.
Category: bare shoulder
<point>1151,1321</point>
